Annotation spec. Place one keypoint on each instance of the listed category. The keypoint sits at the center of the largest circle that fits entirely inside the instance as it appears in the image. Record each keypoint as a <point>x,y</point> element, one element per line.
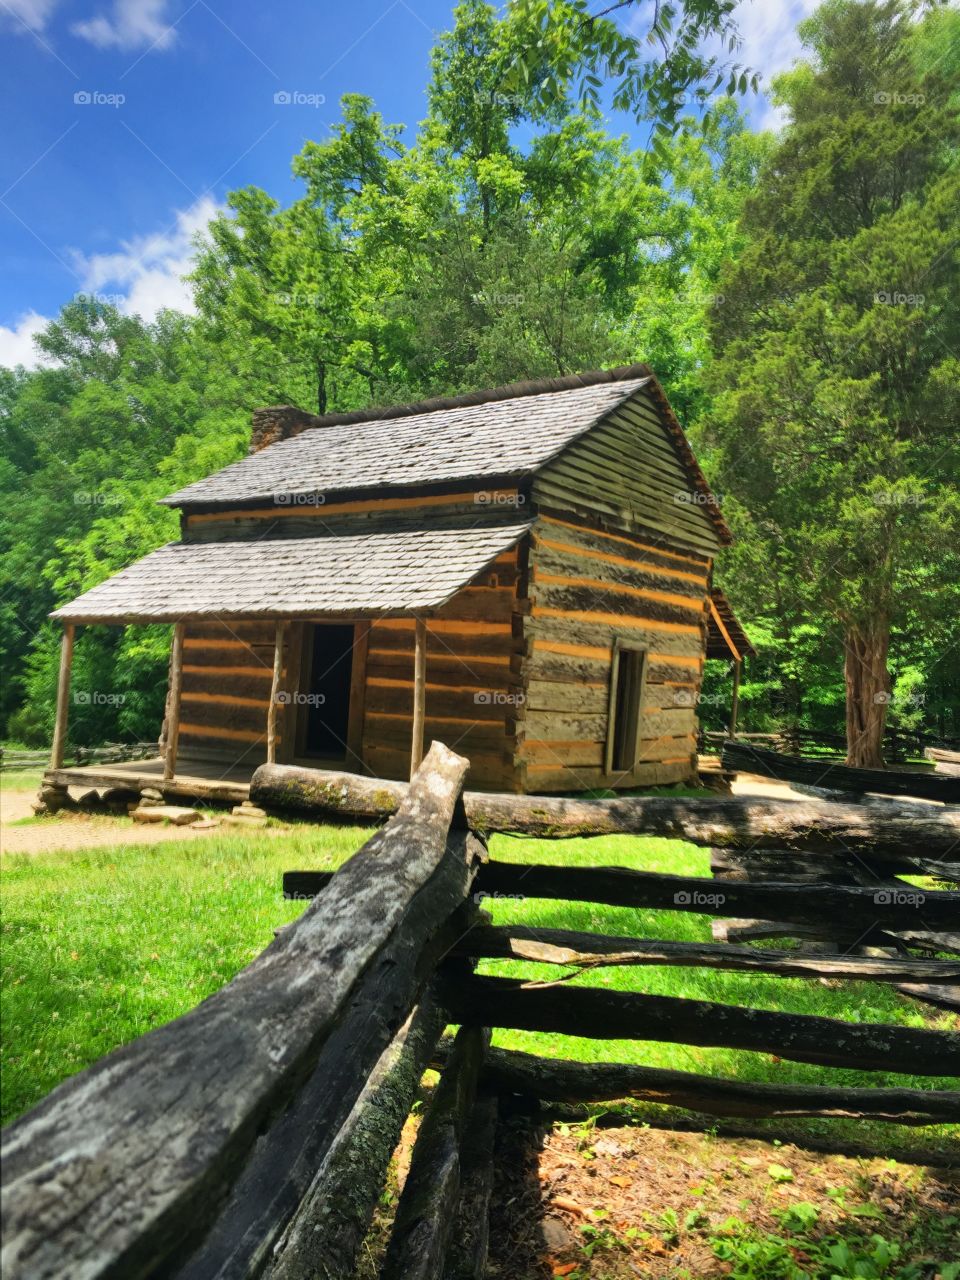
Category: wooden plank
<point>275,691</point>
<point>553,557</point>
<point>359,677</point>
<point>597,629</point>
<point>130,1197</point>
<point>876,836</point>
<point>424,1219</point>
<point>592,950</point>
<point>282,1167</point>
<point>63,697</point>
<point>621,1015</point>
<point>771,764</point>
<point>328,1229</point>
<point>560,1080</point>
<point>419,695</point>
<point>470,1237</point>
<point>542,779</point>
<point>173,705</point>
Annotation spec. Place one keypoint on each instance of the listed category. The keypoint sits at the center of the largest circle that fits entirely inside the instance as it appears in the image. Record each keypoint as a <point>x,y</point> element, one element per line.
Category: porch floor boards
<point>199,779</point>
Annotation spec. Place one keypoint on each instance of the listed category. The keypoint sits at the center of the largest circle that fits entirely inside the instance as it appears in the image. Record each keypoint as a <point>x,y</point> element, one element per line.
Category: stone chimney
<point>279,422</point>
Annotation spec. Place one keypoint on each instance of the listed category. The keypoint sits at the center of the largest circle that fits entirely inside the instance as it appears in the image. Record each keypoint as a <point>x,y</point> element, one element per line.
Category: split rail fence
<point>252,1136</point>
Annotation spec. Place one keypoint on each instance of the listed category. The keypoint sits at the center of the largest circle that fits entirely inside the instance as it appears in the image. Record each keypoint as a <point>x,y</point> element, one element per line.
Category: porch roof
<point>726,638</point>
<point>358,576</point>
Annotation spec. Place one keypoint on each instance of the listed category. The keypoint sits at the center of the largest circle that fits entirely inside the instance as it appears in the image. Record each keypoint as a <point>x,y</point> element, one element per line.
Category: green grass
<point>101,945</point>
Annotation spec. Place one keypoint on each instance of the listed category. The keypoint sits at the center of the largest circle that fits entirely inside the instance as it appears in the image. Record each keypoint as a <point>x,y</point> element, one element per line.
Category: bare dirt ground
<point>68,830</point>
<point>614,1203</point>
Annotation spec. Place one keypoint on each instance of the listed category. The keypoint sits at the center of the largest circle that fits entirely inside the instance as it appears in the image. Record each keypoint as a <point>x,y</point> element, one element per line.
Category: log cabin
<point>525,573</point>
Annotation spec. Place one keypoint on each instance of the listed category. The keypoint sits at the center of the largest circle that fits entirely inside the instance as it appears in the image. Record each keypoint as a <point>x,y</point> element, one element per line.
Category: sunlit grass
<point>101,945</point>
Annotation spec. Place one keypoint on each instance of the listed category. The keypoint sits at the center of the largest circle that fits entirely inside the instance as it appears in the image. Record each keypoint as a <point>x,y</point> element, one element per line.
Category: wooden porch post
<point>173,722</point>
<point>419,694</point>
<point>735,701</point>
<point>63,698</point>
<point>272,710</point>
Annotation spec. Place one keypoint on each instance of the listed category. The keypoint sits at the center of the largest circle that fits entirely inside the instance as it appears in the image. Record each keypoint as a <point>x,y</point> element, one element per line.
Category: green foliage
<point>837,383</point>
<point>459,260</point>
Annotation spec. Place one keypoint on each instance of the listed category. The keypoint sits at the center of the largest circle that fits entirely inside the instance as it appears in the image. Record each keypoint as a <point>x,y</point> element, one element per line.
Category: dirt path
<point>77,830</point>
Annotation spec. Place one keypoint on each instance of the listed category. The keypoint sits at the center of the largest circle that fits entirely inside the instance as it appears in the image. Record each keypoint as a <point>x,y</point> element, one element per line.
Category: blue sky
<point>128,121</point>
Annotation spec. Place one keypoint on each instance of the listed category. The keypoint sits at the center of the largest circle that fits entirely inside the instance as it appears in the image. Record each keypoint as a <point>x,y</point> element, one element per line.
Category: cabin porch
<point>198,780</point>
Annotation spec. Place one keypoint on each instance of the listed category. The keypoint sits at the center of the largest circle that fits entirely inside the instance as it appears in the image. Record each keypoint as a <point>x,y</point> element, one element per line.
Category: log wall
<point>473,688</point>
<point>227,674</point>
<point>589,587</point>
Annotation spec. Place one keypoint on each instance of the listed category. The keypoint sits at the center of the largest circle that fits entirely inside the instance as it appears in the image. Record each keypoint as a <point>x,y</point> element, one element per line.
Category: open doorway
<point>323,718</point>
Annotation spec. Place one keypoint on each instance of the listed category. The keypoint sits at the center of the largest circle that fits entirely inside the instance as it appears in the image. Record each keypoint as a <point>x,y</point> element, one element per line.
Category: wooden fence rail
<point>251,1137</point>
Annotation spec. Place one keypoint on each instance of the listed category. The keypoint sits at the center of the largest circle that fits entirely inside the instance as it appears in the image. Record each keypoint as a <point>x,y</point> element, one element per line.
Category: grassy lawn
<point>101,945</point>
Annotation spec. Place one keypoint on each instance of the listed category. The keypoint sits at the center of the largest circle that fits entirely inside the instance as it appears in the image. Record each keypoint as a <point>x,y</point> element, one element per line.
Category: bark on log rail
<point>745,758</point>
<point>590,950</point>
<point>724,822</point>
<point>119,1171</point>
<point>425,1213</point>
<point>328,1229</point>
<point>620,1015</point>
<point>855,906</point>
<point>558,1080</point>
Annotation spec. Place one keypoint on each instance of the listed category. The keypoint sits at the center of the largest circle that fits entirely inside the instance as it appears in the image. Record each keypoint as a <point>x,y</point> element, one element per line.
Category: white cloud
<point>22,14</point>
<point>770,45</point>
<point>133,24</point>
<point>142,277</point>
<point>145,274</point>
<point>16,343</point>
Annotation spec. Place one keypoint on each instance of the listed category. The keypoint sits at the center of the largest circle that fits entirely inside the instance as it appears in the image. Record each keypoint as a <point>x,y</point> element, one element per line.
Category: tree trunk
<point>868,692</point>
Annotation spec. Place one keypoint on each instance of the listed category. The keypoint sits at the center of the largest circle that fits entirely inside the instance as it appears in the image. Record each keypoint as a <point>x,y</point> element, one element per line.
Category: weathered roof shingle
<point>498,437</point>
<point>365,575</point>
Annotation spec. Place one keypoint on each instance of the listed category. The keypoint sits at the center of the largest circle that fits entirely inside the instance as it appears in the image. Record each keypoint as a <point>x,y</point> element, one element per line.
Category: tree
<point>837,377</point>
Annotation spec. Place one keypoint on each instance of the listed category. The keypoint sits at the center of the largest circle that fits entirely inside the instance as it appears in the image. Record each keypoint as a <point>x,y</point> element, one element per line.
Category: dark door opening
<point>324,719</point>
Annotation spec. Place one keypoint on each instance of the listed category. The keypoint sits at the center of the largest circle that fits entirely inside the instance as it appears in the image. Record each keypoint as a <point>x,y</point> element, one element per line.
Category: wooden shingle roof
<point>358,576</point>
<point>494,438</point>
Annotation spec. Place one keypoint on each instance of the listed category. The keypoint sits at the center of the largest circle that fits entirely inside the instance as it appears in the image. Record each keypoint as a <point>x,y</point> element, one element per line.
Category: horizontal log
<point>559,1080</point>
<point>591,950</point>
<point>622,1015</point>
<point>831,930</point>
<point>720,821</point>
<point>854,905</point>
<point>147,1141</point>
<point>771,764</point>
